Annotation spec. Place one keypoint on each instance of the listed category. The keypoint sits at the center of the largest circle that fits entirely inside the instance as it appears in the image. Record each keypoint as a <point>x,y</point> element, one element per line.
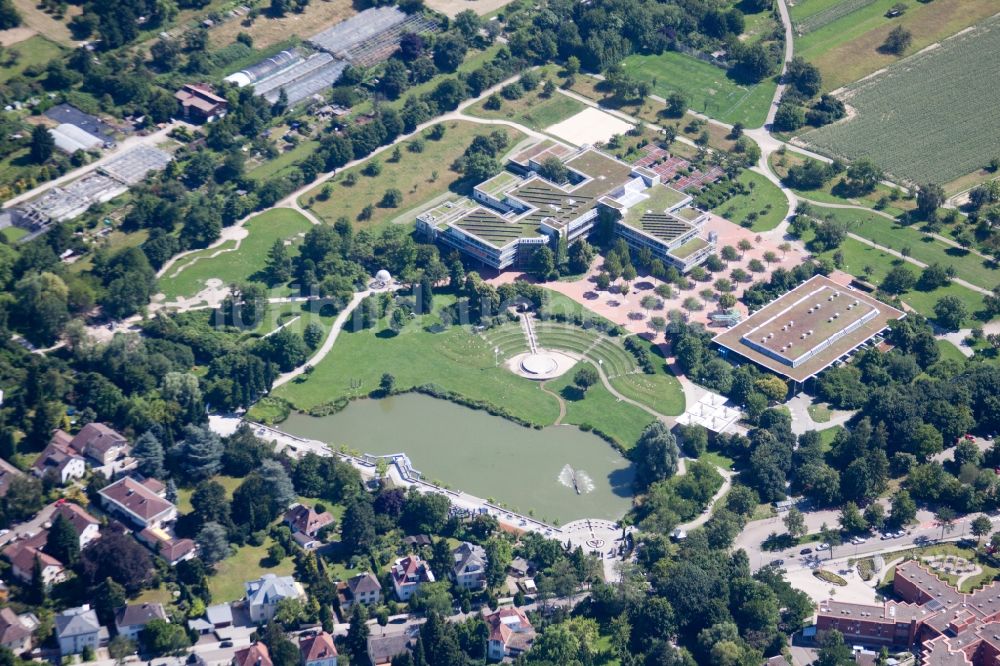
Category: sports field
<point>842,37</point>
<point>707,88</point>
<point>932,117</point>
<point>187,277</point>
<point>420,176</point>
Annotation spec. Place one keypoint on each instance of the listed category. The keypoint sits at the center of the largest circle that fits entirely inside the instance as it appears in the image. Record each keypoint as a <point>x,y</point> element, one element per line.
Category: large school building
<point>514,213</point>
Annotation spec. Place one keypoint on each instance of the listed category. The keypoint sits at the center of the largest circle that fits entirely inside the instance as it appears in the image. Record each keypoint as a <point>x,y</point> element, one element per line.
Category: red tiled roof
<point>304,519</point>
<point>320,646</point>
<point>255,655</point>
<point>136,498</point>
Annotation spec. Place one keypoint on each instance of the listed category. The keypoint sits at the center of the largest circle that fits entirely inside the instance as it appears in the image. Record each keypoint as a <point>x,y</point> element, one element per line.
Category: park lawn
<point>949,352</point>
<point>820,413</point>
<point>600,410</point>
<point>922,247</point>
<point>34,51</point>
<point>846,50</point>
<point>284,161</point>
<point>187,277</point>
<point>293,316</point>
<point>419,176</point>
<point>766,199</point>
<point>717,459</point>
<point>13,234</point>
<point>157,595</point>
<point>230,483</point>
<point>455,360</point>
<point>706,87</point>
<point>857,256</point>
<point>781,163</point>
<point>533,110</point>
<point>248,563</point>
<point>660,391</point>
<point>115,241</point>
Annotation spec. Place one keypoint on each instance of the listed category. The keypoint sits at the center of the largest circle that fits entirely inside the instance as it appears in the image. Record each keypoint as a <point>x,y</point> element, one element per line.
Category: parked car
<point>806,551</point>
<point>823,546</point>
<point>777,563</point>
<point>858,540</point>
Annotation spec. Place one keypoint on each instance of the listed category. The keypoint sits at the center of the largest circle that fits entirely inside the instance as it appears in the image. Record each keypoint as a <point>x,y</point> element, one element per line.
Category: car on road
<point>777,563</point>
<point>823,546</point>
<point>858,540</point>
<point>806,551</point>
<point>225,644</point>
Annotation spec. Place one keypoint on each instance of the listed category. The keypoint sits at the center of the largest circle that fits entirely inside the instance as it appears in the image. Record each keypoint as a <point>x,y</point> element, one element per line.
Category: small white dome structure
<point>383,276</point>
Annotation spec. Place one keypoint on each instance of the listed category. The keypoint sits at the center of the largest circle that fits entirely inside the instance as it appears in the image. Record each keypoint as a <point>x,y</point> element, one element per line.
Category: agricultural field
<point>234,262</point>
<point>35,20</point>
<point>929,118</point>
<point>420,176</point>
<point>845,46</point>
<point>707,87</point>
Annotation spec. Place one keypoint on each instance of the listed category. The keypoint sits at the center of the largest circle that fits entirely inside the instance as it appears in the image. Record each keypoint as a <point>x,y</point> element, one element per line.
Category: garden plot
<point>931,117</point>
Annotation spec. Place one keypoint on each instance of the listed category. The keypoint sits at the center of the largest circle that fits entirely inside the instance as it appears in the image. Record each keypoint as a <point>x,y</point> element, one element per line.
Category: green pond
<point>485,455</point>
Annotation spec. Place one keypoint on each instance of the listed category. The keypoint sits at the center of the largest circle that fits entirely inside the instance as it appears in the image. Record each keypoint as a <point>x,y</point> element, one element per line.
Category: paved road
<point>786,21</point>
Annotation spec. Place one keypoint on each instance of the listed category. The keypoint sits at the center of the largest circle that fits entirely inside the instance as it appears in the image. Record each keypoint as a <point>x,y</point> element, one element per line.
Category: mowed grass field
<point>922,247</point>
<point>533,110</point>
<point>187,277</point>
<point>34,51</point>
<point>707,88</point>
<point>765,198</point>
<point>456,359</point>
<point>419,176</point>
<point>857,256</point>
<point>932,117</point>
<point>846,49</point>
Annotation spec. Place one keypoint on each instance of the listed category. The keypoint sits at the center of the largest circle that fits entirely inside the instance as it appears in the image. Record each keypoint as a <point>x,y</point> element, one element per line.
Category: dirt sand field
<point>267,31</point>
<point>15,35</point>
<point>590,126</point>
<point>38,21</point>
<point>452,7</point>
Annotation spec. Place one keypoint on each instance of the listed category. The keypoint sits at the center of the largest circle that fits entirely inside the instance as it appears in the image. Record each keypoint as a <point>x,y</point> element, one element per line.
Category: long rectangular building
<point>514,213</point>
<point>808,329</point>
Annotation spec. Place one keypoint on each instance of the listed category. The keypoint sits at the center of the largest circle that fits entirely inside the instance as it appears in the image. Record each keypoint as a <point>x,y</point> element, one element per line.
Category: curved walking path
<point>559,399</point>
<point>706,515</point>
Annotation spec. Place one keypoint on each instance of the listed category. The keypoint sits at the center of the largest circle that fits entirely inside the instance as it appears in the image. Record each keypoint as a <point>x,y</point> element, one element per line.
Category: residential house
<point>170,548</point>
<point>199,102</point>
<point>78,628</point>
<point>468,568</point>
<point>381,649</point>
<point>254,655</point>
<point>510,633</point>
<point>363,588</point>
<point>216,617</point>
<point>100,444</point>
<point>131,619</point>
<point>59,461</point>
<point>7,474</point>
<point>135,503</point>
<point>306,524</point>
<point>15,635</point>
<point>263,595</point>
<point>87,527</point>
<point>318,650</point>
<point>408,573</point>
<point>417,541</point>
<point>22,556</point>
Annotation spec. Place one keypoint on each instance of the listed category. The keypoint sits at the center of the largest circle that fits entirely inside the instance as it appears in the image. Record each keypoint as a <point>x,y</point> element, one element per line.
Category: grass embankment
<point>533,110</point>
<point>420,176</point>
<point>763,198</point>
<point>187,277</point>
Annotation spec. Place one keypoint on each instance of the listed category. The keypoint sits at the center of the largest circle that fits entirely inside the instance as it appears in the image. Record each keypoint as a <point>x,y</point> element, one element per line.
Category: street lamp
<point>496,357</point>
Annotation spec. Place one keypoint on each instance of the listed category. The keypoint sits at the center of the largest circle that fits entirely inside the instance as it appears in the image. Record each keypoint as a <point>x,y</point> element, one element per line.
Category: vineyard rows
<point>931,117</point>
<point>826,16</point>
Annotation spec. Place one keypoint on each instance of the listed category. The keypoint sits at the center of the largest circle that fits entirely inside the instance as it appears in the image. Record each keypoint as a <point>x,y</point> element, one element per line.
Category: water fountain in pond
<point>576,479</point>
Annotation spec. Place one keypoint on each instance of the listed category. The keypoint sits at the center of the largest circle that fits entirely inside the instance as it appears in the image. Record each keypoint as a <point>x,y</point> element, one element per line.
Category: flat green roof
<point>650,214</point>
<point>493,229</point>
<point>498,184</point>
<point>606,172</point>
<point>688,213</point>
<point>448,210</point>
<point>688,248</point>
